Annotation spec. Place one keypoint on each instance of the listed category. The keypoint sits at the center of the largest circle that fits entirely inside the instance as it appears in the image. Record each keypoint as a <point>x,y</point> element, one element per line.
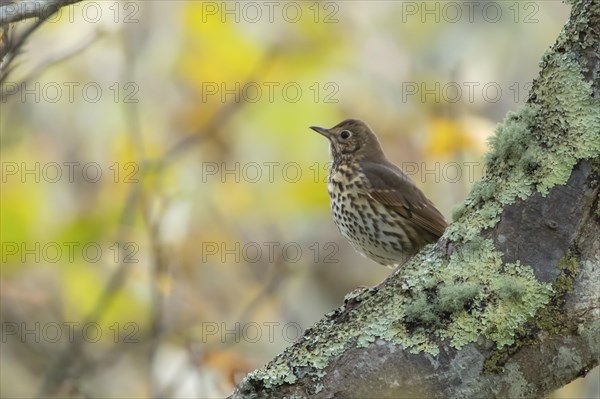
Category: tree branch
<point>506,304</point>
<point>11,12</point>
<point>15,12</point>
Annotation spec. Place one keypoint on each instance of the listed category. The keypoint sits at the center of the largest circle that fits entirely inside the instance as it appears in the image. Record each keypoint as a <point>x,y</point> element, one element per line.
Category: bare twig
<point>221,116</point>
<point>14,48</point>
<point>14,12</point>
<point>42,9</point>
<point>62,367</point>
<point>49,62</point>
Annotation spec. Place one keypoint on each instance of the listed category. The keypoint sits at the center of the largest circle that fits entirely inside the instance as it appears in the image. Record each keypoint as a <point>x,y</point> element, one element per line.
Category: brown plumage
<point>375,205</point>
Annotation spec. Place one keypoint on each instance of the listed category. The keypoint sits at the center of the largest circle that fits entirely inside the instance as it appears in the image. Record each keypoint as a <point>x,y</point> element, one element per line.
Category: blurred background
<point>164,214</point>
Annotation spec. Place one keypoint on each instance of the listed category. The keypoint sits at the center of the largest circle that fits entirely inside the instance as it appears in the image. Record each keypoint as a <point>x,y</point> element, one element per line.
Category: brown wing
<point>391,187</point>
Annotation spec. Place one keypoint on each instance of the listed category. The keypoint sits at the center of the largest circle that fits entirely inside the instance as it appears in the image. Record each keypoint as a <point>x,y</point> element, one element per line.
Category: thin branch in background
<point>158,261</point>
<point>15,48</point>
<point>132,109</point>
<point>58,374</point>
<point>273,282</point>
<point>274,277</point>
<point>62,367</point>
<point>206,132</point>
<point>160,272</point>
<point>15,12</point>
<point>222,116</point>
<point>54,59</point>
<point>5,37</point>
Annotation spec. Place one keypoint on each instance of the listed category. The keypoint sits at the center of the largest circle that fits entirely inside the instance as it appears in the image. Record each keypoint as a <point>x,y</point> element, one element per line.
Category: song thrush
<point>374,204</point>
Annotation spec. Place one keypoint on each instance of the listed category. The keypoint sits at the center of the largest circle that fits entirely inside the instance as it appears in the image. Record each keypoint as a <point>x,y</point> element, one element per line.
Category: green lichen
<point>519,386</point>
<point>549,319</point>
<point>523,160</point>
<point>456,300</point>
<point>483,207</point>
<point>470,295</point>
<point>455,297</point>
<point>509,289</point>
<point>319,387</point>
<point>277,375</point>
<point>487,309</point>
<point>420,311</point>
<point>494,363</point>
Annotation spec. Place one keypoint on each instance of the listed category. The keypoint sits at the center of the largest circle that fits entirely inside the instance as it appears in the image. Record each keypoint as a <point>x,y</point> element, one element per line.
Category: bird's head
<point>351,138</point>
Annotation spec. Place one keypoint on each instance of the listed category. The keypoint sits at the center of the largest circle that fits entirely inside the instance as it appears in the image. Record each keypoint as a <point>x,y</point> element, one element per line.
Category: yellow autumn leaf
<point>447,138</point>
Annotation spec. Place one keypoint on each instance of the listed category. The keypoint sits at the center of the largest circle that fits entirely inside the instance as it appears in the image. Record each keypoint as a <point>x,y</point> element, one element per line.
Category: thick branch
<point>506,304</point>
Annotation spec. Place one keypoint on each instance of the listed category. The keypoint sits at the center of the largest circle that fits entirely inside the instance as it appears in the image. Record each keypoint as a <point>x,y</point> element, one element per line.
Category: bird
<point>375,205</point>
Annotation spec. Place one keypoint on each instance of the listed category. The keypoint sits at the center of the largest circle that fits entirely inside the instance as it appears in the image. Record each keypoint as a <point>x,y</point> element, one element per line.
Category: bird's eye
<point>345,134</point>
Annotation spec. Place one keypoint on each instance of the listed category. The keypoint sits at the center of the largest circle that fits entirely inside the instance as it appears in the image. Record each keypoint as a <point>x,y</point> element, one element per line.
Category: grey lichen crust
<point>470,294</point>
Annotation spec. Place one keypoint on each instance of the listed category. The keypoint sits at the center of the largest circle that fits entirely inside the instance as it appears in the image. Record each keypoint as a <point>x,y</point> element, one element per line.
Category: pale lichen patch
<point>456,300</point>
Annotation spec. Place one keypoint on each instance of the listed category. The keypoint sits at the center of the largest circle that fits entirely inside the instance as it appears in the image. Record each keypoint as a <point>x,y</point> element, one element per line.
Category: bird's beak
<point>321,130</point>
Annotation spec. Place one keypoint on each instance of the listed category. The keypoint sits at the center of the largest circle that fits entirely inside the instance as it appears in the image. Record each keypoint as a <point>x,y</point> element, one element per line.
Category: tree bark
<point>506,304</point>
